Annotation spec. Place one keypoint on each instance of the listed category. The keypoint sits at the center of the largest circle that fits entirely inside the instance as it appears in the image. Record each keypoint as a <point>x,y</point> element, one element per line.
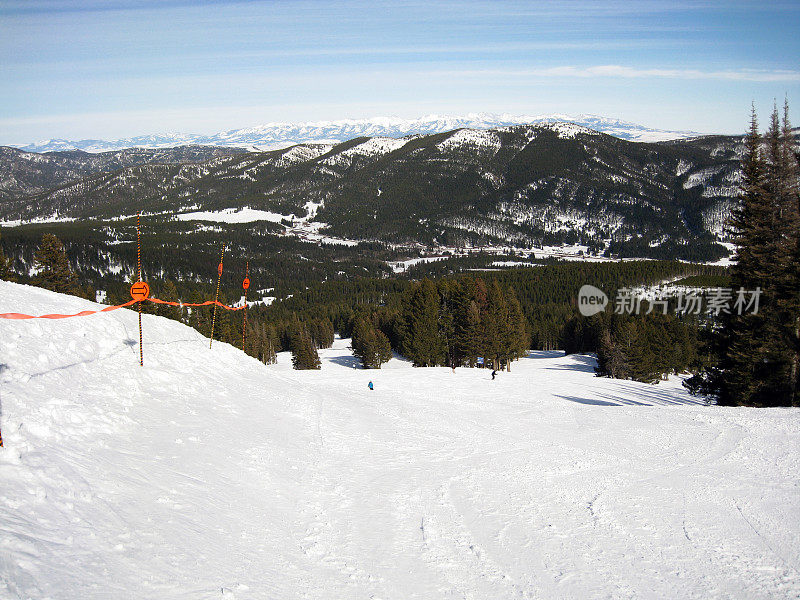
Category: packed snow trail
<point>206,474</point>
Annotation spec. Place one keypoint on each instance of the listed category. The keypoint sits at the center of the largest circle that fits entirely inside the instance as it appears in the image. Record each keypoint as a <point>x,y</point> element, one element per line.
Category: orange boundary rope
<point>206,303</point>
<point>58,316</point>
<point>85,313</point>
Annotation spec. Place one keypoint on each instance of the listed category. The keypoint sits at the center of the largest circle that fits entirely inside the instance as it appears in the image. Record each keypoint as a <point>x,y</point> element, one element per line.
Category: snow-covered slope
<point>208,475</point>
<point>281,135</point>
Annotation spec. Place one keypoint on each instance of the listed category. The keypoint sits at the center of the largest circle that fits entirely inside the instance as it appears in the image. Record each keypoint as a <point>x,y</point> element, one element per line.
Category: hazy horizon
<point>377,119</point>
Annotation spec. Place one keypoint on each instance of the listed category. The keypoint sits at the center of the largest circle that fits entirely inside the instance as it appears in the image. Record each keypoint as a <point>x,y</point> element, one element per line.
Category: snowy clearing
<point>208,475</point>
<point>399,266</point>
<point>569,130</point>
<point>234,215</point>
<point>37,221</point>
<point>514,263</point>
<point>486,140</point>
<point>311,232</point>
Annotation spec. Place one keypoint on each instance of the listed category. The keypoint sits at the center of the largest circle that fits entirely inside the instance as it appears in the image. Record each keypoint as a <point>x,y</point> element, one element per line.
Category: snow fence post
<point>245,285</point>
<point>139,270</point>
<point>216,298</point>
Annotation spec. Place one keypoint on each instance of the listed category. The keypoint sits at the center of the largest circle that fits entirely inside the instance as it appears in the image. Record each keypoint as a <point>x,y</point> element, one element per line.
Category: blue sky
<point>107,68</point>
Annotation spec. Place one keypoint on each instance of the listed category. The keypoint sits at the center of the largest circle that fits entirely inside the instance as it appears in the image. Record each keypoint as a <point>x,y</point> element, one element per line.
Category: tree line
<point>462,322</point>
<point>644,347</point>
<point>457,320</point>
<point>753,358</point>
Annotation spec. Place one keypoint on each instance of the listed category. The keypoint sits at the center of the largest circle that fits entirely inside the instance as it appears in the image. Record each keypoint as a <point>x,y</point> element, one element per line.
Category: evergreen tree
<point>650,353</point>
<point>757,353</point>
<point>738,340</point>
<point>788,302</point>
<point>54,272</point>
<point>681,347</point>
<point>382,349</point>
<point>474,333</point>
<point>481,298</point>
<point>265,341</point>
<point>467,331</point>
<point>369,344</point>
<point>518,338</point>
<point>496,325</point>
<point>322,332</point>
<point>420,326</point>
<point>448,291</point>
<point>466,325</point>
<point>304,351</point>
<point>359,340</point>
<point>5,266</point>
<point>611,360</point>
<point>169,293</point>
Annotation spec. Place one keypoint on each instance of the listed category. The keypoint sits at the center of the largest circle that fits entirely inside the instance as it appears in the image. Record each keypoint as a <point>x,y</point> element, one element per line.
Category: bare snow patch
<point>399,266</point>
<point>474,138</point>
<point>233,215</point>
<point>302,153</point>
<point>54,218</point>
<point>569,130</point>
<point>701,177</point>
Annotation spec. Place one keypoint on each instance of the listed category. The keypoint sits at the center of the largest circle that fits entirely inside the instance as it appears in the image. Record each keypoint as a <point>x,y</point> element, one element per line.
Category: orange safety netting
<point>110,308</point>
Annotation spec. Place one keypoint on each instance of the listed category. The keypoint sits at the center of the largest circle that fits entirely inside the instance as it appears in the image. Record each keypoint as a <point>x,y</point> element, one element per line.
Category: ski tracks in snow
<point>206,474</point>
<point>453,548</point>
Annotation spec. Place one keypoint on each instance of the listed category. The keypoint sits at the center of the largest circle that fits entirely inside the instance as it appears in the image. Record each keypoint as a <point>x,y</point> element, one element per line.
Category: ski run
<point>206,474</point>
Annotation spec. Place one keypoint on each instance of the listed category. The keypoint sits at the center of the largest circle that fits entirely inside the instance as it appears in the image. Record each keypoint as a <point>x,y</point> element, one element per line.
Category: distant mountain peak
<point>276,135</point>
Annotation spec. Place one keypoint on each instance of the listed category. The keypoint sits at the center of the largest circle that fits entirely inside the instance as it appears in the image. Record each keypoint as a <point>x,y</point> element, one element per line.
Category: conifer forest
<point>459,311</point>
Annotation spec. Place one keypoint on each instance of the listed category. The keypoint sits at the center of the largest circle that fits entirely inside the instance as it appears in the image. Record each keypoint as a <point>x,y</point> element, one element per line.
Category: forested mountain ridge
<point>528,185</point>
<point>28,173</point>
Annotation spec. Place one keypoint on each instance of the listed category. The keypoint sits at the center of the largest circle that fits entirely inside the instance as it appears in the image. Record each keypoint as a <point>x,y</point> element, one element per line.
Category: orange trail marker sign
<point>140,291</point>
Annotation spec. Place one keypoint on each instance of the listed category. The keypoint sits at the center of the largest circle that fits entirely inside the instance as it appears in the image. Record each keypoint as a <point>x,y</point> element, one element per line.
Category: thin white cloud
<point>623,72</point>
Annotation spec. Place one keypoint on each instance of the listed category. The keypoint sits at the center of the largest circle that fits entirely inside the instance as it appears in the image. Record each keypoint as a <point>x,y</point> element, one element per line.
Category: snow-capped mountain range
<point>273,136</point>
<point>527,185</point>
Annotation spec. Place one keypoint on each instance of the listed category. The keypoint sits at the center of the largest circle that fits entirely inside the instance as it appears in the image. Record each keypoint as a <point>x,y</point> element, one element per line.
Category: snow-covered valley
<point>205,474</point>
